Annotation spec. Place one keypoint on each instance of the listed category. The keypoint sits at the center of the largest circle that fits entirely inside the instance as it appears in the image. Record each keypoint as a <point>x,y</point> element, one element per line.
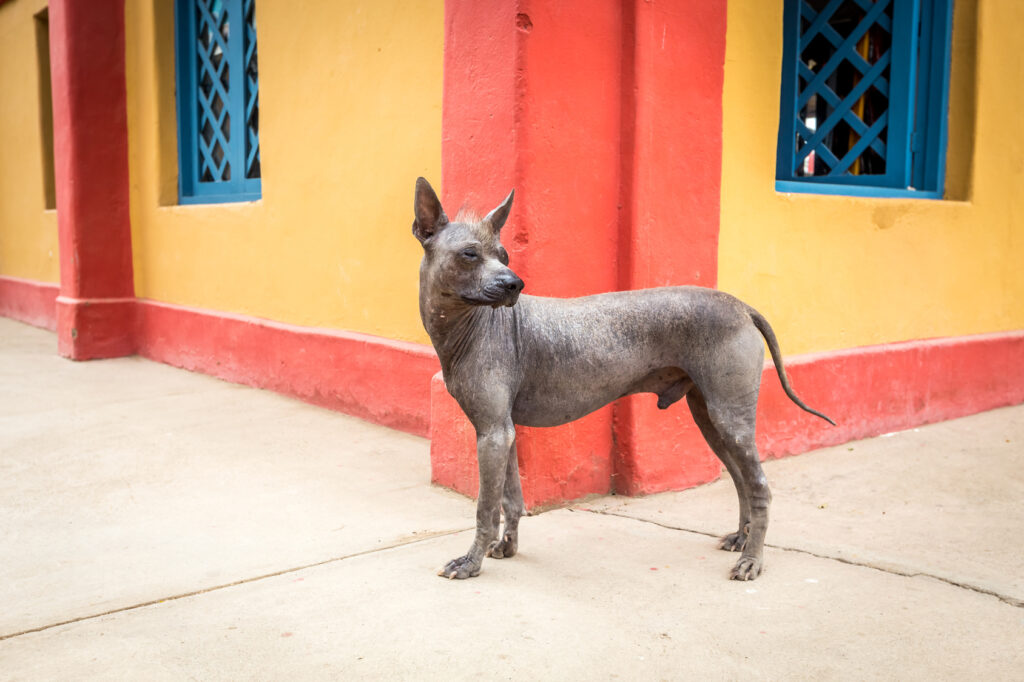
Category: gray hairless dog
<point>510,359</point>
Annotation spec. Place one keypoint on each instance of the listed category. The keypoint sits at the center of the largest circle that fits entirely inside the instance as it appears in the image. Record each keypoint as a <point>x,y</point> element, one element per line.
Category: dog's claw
<point>747,568</point>
<point>736,542</point>
<point>503,549</point>
<point>733,542</point>
<point>460,569</point>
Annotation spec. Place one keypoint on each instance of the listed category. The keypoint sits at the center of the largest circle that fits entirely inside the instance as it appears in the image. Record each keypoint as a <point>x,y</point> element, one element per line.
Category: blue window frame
<point>865,86</point>
<point>218,101</point>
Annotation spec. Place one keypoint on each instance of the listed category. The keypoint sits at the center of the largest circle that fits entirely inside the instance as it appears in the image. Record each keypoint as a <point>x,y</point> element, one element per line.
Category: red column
<point>672,183</point>
<point>606,119</point>
<point>87,60</point>
<point>532,100</point>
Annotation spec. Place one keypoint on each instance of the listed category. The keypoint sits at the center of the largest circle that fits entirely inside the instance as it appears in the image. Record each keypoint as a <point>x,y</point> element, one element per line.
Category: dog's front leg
<point>493,443</point>
<point>512,507</point>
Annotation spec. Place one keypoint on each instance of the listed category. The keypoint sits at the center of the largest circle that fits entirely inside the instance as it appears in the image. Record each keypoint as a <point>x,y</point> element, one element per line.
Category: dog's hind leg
<point>735,425</point>
<point>512,506</point>
<point>733,542</point>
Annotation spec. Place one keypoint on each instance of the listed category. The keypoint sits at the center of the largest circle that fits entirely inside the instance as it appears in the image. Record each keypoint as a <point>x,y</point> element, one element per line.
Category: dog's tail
<point>773,346</point>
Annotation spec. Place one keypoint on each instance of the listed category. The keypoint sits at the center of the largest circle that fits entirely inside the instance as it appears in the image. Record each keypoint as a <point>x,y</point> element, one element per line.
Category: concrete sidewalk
<point>158,524</point>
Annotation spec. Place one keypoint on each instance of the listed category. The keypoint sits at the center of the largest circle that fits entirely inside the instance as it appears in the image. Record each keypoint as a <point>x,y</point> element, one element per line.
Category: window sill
<point>220,199</point>
<point>790,186</point>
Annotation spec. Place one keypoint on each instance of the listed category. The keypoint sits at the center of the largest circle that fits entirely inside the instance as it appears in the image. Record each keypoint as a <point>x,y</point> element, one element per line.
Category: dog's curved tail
<point>773,347</point>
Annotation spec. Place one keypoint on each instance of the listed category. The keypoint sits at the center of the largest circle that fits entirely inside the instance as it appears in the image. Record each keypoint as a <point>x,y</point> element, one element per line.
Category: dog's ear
<point>430,217</point>
<point>498,216</point>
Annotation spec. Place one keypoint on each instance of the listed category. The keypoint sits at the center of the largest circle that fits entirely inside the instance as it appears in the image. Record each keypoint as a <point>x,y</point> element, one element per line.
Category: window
<point>864,97</point>
<point>218,101</point>
<point>42,29</point>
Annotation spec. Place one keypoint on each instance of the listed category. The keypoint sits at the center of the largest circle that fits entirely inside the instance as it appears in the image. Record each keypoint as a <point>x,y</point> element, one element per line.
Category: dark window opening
<point>42,30</point>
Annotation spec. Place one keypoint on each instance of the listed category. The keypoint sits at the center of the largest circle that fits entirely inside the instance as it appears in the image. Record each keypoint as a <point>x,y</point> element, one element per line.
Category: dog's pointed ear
<point>498,216</point>
<point>430,217</point>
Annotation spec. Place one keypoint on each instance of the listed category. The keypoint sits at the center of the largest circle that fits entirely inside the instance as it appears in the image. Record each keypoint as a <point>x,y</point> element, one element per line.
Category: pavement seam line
<point>1012,601</point>
<point>243,581</point>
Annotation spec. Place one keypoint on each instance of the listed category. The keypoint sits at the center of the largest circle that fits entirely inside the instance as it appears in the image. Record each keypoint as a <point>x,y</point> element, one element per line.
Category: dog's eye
<point>503,256</point>
<point>470,254</point>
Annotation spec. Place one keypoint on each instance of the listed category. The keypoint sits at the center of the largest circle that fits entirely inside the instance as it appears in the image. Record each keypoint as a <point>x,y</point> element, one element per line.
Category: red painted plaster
<point>606,118</point>
<point>659,450</point>
<point>676,168</point>
<point>672,169</point>
<point>568,170</point>
<point>532,101</point>
<point>377,379</point>
<point>87,64</point>
<point>93,329</point>
<point>877,389</point>
<point>479,112</point>
<point>29,301</point>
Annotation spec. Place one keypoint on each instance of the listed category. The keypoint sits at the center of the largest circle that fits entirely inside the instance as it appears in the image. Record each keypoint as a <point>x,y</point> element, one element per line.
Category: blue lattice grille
<point>218,100</point>
<point>843,99</point>
<point>252,94</point>
<point>214,88</point>
<point>853,74</point>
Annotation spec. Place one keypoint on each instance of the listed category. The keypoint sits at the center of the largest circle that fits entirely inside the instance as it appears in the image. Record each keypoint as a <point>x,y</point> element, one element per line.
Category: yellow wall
<point>350,115</point>
<point>836,272</point>
<point>28,232</point>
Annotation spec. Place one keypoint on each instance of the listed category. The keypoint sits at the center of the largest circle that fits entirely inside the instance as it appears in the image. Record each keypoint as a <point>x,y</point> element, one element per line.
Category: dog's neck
<point>450,323</point>
<point>455,327</point>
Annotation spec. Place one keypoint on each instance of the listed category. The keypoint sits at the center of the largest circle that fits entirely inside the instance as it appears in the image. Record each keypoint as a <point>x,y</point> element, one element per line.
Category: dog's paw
<point>733,542</point>
<point>504,548</point>
<point>461,568</point>
<point>747,568</point>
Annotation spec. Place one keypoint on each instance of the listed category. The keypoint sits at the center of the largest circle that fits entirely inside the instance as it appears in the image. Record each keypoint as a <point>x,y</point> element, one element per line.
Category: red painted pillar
<point>532,99</point>
<point>87,60</point>
<point>606,119</point>
<point>671,186</point>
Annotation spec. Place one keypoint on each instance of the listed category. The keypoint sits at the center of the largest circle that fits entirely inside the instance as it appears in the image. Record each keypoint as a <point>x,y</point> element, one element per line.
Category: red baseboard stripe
<point>29,301</point>
<point>377,379</point>
<point>879,389</point>
<point>868,391</point>
<point>95,328</point>
<point>381,380</point>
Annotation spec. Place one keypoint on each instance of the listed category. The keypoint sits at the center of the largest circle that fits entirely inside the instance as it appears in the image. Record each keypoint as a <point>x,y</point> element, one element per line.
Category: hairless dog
<point>510,359</point>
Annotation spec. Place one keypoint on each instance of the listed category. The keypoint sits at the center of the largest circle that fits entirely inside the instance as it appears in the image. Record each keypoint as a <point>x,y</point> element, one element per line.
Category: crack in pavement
<point>1012,601</point>
<point>243,581</point>
<point>892,570</point>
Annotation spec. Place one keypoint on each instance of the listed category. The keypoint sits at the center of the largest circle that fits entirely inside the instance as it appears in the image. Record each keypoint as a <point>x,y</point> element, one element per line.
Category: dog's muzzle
<point>502,291</point>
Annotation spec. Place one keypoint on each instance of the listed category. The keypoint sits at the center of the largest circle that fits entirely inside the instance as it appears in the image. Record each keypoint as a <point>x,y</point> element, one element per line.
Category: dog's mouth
<point>493,298</point>
<point>510,301</point>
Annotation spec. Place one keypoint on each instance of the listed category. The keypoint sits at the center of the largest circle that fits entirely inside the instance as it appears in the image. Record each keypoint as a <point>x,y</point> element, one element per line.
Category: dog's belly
<point>552,405</point>
<point>544,411</point>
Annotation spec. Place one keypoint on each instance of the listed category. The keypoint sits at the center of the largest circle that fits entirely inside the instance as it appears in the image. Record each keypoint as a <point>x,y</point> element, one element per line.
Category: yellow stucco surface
<point>835,272</point>
<point>28,231</point>
<point>350,115</point>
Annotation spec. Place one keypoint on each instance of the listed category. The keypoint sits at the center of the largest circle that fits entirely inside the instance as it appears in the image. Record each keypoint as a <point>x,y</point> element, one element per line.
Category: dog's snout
<point>513,284</point>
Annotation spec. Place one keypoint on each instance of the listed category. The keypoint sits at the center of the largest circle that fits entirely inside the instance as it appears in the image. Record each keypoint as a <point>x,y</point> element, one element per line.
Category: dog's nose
<point>513,284</point>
